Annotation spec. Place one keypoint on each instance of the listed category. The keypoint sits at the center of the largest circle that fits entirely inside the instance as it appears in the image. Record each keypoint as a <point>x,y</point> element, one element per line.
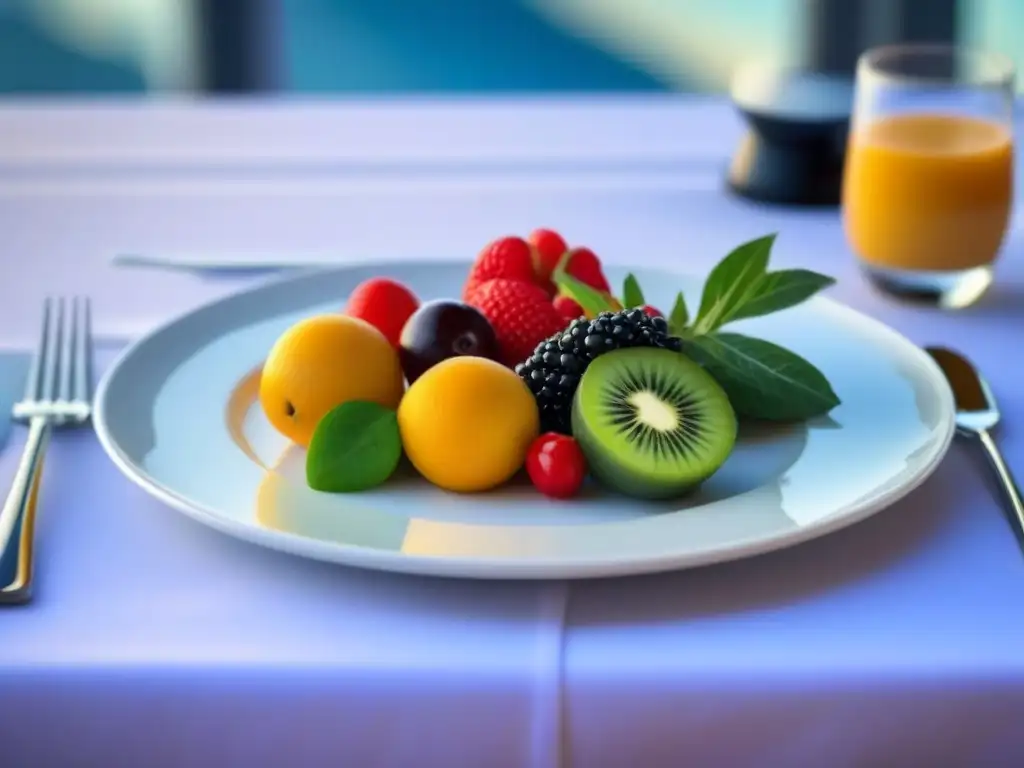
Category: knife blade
<point>225,264</point>
<point>247,264</point>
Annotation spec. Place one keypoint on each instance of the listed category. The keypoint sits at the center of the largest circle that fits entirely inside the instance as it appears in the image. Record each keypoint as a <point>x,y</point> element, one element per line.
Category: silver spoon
<point>976,414</point>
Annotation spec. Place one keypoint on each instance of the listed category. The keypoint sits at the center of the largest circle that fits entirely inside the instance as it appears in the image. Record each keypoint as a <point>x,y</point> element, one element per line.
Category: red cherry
<point>556,465</point>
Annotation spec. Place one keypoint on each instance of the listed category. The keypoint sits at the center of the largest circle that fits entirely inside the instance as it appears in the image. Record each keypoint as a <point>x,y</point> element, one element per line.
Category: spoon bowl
<point>976,407</point>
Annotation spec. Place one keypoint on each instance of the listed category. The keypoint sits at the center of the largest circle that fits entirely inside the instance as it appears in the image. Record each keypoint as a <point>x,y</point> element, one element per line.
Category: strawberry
<point>568,308</point>
<point>548,249</point>
<point>509,258</point>
<point>651,311</point>
<point>383,303</point>
<point>586,267</point>
<point>521,314</point>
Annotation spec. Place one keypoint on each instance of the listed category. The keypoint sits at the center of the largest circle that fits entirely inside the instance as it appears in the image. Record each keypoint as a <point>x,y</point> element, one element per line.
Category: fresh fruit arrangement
<point>539,367</point>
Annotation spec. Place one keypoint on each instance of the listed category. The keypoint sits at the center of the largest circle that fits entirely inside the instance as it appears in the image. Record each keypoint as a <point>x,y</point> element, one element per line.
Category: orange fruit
<point>321,362</point>
<point>467,424</point>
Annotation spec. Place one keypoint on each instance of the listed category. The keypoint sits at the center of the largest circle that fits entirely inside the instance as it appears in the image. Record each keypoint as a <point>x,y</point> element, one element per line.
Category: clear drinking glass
<point>928,178</point>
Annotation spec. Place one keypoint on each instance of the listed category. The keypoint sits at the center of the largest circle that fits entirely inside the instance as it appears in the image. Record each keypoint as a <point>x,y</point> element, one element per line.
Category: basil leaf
<point>679,316</point>
<point>354,447</point>
<point>632,296</point>
<point>732,283</point>
<point>592,300</point>
<point>781,290</point>
<point>763,380</point>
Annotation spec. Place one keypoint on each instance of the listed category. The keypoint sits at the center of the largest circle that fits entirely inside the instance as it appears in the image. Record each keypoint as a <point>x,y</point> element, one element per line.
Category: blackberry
<point>554,369</point>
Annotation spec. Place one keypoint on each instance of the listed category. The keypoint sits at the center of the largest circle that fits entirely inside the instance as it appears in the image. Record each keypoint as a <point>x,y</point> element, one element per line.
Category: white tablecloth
<point>156,642</point>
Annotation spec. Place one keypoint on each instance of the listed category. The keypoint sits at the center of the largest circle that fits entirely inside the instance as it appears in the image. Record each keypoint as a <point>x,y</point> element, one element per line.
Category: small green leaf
<point>763,380</point>
<point>732,283</point>
<point>679,316</point>
<point>356,446</point>
<point>592,300</point>
<point>632,296</point>
<point>781,290</point>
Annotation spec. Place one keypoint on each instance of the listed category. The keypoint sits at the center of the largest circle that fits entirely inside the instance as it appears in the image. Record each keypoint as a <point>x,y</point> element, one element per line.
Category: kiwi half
<point>652,423</point>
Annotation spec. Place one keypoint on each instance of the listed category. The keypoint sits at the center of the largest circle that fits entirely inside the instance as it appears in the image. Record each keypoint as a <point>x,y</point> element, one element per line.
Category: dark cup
<point>793,151</point>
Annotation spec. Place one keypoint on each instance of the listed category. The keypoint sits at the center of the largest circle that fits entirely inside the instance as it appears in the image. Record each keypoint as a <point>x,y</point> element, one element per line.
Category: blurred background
<point>390,47</point>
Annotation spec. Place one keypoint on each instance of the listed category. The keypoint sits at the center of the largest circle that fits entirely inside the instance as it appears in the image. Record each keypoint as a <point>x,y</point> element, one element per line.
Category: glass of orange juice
<point>928,177</point>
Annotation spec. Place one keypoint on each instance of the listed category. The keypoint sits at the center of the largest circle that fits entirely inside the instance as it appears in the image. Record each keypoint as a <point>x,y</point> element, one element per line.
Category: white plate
<point>177,414</point>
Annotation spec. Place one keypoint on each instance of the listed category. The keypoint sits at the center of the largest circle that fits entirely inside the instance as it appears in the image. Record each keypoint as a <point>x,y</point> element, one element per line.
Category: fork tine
<point>35,370</point>
<point>69,341</point>
<point>51,357</point>
<point>83,350</point>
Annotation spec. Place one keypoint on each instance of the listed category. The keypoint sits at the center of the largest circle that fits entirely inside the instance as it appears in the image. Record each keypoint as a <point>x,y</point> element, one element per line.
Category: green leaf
<point>763,380</point>
<point>592,300</point>
<point>632,296</point>
<point>732,283</point>
<point>679,316</point>
<point>356,446</point>
<point>781,290</point>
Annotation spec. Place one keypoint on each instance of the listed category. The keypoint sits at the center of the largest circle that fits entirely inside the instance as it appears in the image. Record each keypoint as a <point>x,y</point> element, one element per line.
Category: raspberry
<point>521,314</point>
<point>568,307</point>
<point>548,249</point>
<point>385,304</point>
<point>586,267</point>
<point>509,258</point>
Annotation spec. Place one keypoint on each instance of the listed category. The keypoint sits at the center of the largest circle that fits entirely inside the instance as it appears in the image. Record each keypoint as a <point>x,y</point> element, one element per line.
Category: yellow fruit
<point>324,361</point>
<point>467,423</point>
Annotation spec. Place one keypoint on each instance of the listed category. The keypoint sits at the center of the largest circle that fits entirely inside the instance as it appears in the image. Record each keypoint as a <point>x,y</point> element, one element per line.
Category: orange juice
<point>928,192</point>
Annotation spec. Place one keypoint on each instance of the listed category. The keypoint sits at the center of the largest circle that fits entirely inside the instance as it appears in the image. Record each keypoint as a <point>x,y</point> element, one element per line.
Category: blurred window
<point>460,46</point>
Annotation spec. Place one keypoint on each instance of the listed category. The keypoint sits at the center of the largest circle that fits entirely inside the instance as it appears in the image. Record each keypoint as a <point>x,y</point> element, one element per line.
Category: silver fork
<point>58,393</point>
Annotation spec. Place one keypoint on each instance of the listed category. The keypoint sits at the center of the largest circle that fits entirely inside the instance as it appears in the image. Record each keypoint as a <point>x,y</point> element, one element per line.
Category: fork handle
<point>21,507</point>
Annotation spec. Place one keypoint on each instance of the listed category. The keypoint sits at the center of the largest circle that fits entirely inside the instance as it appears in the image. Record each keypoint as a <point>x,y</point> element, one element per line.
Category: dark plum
<point>441,329</point>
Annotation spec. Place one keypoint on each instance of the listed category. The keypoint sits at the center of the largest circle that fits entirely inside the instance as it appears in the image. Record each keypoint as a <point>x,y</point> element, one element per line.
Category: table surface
<point>156,641</point>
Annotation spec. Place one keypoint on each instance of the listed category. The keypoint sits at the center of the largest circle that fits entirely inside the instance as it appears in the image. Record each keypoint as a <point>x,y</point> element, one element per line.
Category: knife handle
<point>1009,485</point>
<point>20,507</point>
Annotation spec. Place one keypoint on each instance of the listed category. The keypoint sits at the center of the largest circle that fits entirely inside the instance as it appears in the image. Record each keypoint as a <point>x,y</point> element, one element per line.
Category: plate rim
<point>494,569</point>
